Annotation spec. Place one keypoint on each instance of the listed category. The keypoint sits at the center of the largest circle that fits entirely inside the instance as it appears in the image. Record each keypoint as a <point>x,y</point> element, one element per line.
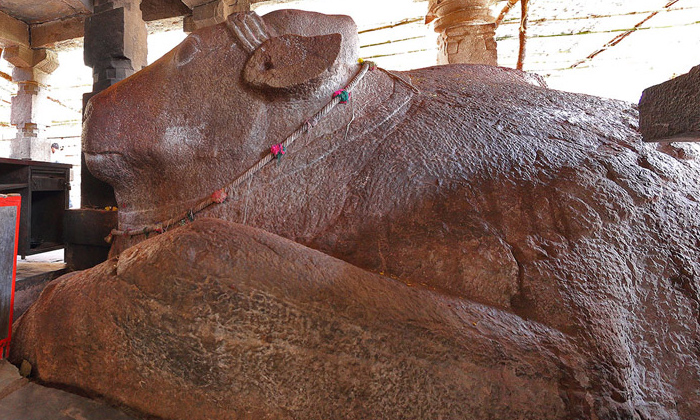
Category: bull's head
<point>198,117</point>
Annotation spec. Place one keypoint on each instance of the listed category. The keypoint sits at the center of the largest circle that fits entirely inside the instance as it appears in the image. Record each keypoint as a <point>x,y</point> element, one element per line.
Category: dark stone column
<point>467,31</point>
<point>115,48</point>
<point>671,111</point>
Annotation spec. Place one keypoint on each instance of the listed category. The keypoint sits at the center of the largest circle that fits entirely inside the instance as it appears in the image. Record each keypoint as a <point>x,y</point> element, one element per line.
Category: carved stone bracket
<point>210,13</point>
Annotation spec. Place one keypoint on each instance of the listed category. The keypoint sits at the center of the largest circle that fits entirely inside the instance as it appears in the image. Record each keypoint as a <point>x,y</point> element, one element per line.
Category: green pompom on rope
<point>343,94</point>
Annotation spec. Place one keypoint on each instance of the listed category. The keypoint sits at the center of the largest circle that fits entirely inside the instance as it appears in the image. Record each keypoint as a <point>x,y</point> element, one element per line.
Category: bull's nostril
<point>269,65</point>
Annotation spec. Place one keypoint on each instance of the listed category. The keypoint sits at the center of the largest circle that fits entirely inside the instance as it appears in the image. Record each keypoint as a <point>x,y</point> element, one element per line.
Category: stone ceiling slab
<point>39,11</point>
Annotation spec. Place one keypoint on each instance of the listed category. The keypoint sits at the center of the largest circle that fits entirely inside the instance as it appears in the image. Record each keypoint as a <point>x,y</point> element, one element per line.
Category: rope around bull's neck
<point>220,196</point>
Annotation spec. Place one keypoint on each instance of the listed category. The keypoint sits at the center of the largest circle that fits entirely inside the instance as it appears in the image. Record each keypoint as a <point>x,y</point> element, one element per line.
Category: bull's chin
<point>110,167</point>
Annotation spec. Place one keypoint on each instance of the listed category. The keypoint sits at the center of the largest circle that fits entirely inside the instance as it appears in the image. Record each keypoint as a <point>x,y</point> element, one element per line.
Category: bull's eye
<point>187,50</point>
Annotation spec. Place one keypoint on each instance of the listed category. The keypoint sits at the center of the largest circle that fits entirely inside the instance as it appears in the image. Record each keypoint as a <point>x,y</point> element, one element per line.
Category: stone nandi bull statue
<point>502,250</point>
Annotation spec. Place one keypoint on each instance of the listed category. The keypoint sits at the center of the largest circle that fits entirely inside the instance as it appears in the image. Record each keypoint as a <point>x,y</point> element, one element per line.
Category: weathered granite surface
<point>508,251</point>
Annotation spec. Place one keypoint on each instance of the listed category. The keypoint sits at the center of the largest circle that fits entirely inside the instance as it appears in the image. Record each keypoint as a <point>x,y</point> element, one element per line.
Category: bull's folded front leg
<point>232,320</point>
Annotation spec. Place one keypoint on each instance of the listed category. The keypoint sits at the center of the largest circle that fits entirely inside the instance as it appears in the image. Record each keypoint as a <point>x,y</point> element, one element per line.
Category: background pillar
<point>31,69</point>
<point>467,31</point>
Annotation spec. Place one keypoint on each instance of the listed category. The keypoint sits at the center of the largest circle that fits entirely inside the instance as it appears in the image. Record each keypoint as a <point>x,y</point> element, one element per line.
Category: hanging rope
<point>505,11</point>
<point>523,33</point>
<point>524,9</point>
<point>276,151</point>
<point>623,35</point>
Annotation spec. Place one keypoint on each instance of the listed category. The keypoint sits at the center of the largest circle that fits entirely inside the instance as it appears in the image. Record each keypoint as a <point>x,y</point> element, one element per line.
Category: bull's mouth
<point>110,167</point>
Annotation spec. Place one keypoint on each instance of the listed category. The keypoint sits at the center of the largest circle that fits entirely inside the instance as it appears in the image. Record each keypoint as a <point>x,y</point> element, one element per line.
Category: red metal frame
<point>8,201</point>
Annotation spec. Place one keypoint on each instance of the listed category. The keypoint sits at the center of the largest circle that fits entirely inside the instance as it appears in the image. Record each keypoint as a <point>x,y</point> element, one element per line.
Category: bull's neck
<point>378,105</point>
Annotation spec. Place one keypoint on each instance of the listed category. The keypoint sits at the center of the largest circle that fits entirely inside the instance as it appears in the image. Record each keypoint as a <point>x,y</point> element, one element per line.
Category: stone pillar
<point>467,31</point>
<point>207,12</point>
<point>31,69</point>
<point>115,48</point>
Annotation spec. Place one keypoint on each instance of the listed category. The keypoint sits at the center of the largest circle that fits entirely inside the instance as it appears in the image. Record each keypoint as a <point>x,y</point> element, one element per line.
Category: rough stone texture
<point>275,64</point>
<point>671,111</point>
<point>484,187</point>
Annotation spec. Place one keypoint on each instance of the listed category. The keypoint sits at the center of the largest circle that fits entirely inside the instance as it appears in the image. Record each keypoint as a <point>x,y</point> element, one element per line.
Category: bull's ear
<point>292,62</point>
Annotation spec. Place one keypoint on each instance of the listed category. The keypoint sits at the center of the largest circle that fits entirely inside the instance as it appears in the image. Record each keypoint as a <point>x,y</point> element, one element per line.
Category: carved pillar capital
<point>115,41</point>
<point>38,58</point>
<point>467,31</point>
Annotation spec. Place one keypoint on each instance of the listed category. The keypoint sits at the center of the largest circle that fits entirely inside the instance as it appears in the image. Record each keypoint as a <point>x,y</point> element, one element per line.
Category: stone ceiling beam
<point>13,31</point>
<point>48,33</point>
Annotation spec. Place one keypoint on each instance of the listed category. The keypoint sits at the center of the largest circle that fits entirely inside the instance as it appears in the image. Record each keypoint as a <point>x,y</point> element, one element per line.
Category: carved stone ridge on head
<point>249,29</point>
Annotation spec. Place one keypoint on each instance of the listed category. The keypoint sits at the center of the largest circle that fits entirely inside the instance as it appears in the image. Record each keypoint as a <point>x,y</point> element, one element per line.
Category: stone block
<point>670,111</point>
<point>84,234</point>
<point>163,9</point>
<point>110,71</point>
<point>19,56</point>
<point>23,108</point>
<point>57,30</point>
<point>30,147</point>
<point>88,227</point>
<point>23,57</point>
<point>81,257</point>
<point>212,13</point>
<point>13,31</point>
<point>116,33</point>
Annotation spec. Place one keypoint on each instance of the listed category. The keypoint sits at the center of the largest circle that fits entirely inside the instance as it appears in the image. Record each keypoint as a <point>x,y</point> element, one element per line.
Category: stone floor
<point>21,399</point>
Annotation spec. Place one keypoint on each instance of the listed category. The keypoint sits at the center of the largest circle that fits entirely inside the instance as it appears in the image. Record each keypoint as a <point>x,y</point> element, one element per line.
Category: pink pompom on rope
<point>219,196</point>
<point>278,150</point>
